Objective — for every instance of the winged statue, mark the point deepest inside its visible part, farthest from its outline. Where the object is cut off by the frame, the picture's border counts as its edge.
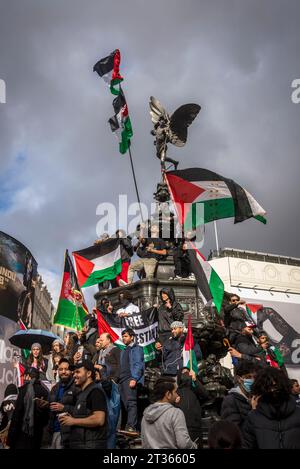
(170, 129)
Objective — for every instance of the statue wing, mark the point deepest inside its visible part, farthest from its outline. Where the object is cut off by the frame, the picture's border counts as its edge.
(179, 122)
(157, 110)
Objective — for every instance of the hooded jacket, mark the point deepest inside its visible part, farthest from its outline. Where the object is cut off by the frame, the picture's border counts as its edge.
(268, 427)
(191, 398)
(246, 346)
(164, 427)
(167, 316)
(235, 407)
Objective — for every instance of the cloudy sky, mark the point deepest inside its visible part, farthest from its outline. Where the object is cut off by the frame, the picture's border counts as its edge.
(58, 158)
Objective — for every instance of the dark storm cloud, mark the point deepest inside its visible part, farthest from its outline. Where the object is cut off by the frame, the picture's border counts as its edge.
(236, 59)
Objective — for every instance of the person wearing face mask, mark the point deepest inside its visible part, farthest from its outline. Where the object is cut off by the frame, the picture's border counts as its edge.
(274, 421)
(236, 405)
(192, 395)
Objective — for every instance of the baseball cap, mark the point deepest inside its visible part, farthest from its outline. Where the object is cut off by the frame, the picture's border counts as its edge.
(87, 364)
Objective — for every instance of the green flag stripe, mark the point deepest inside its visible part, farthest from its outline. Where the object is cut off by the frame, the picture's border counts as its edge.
(205, 212)
(217, 289)
(126, 134)
(194, 363)
(149, 352)
(66, 315)
(261, 219)
(100, 276)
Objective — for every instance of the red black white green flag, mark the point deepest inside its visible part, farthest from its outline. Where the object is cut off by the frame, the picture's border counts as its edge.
(71, 309)
(120, 123)
(188, 353)
(98, 263)
(210, 285)
(143, 323)
(108, 68)
(201, 196)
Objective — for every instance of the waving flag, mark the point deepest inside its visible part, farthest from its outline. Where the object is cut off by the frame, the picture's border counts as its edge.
(120, 123)
(98, 263)
(189, 356)
(143, 323)
(108, 68)
(71, 309)
(202, 196)
(209, 284)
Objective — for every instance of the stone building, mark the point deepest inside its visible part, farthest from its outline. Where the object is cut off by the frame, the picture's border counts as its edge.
(43, 307)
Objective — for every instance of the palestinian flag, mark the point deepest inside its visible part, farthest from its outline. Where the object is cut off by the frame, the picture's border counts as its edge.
(108, 69)
(251, 310)
(144, 324)
(202, 196)
(189, 356)
(209, 283)
(98, 263)
(71, 309)
(111, 327)
(120, 123)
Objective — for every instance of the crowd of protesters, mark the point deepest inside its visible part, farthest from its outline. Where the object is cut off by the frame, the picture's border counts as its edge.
(87, 392)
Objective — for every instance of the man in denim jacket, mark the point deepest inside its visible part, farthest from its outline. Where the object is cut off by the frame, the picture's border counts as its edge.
(132, 369)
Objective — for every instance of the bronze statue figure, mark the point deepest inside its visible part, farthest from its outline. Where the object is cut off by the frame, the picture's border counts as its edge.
(170, 129)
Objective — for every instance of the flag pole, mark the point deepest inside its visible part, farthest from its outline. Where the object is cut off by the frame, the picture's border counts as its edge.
(135, 183)
(216, 235)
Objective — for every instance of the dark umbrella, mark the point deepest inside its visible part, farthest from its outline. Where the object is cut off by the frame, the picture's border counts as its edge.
(25, 339)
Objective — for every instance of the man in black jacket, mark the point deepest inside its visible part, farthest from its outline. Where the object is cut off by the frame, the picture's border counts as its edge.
(109, 355)
(235, 316)
(236, 405)
(169, 311)
(62, 399)
(88, 421)
(172, 359)
(150, 250)
(246, 348)
(192, 395)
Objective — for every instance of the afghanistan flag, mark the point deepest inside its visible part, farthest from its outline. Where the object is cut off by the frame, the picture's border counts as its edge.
(202, 196)
(98, 263)
(144, 324)
(189, 356)
(209, 283)
(71, 309)
(120, 123)
(108, 69)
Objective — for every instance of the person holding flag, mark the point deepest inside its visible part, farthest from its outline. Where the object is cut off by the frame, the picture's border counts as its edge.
(71, 310)
(190, 389)
(175, 351)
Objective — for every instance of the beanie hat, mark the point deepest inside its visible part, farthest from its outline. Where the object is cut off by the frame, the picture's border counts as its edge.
(177, 324)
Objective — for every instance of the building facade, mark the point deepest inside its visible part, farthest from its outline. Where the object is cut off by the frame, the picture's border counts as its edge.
(42, 307)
